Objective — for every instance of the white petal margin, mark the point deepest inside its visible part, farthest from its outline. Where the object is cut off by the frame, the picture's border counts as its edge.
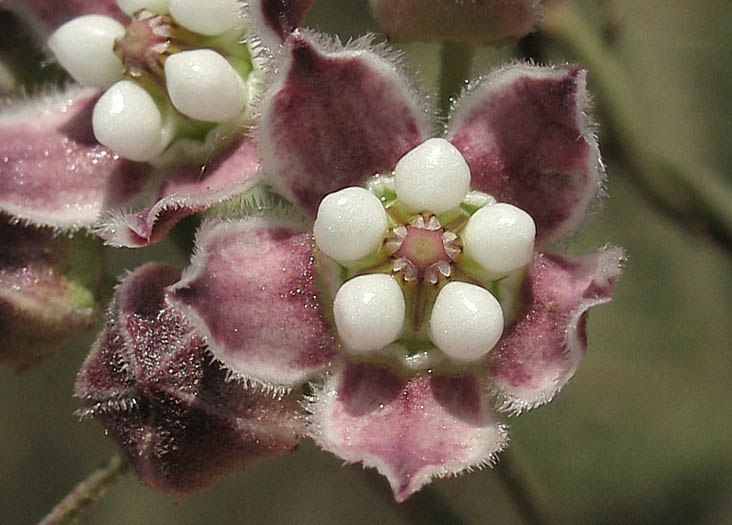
(544, 346)
(251, 292)
(130, 7)
(209, 17)
(127, 121)
(84, 46)
(369, 312)
(500, 106)
(410, 430)
(351, 224)
(432, 177)
(203, 85)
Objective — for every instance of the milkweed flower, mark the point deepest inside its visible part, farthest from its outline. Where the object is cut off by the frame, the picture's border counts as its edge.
(155, 127)
(405, 282)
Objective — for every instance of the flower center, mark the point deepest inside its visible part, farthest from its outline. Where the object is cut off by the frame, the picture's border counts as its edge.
(151, 38)
(167, 76)
(423, 287)
(423, 248)
(421, 244)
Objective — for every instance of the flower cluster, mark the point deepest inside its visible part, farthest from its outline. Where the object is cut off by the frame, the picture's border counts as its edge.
(372, 282)
(169, 136)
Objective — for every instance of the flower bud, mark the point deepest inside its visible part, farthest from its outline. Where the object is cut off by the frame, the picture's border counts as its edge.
(47, 291)
(177, 416)
(489, 22)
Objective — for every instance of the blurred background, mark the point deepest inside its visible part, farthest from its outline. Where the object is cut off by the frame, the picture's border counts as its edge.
(642, 434)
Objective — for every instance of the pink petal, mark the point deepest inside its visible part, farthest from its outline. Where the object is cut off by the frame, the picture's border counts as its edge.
(544, 346)
(527, 140)
(489, 22)
(44, 16)
(334, 116)
(153, 386)
(48, 288)
(274, 19)
(53, 172)
(411, 430)
(251, 291)
(184, 192)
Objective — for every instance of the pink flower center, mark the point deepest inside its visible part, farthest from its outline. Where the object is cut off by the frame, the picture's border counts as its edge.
(149, 39)
(423, 248)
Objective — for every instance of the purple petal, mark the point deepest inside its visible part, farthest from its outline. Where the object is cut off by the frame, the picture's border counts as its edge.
(53, 172)
(44, 16)
(527, 140)
(333, 117)
(411, 430)
(251, 291)
(186, 191)
(48, 286)
(274, 19)
(544, 346)
(153, 386)
(489, 22)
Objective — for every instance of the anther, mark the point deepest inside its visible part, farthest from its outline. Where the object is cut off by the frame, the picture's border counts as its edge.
(395, 239)
(452, 245)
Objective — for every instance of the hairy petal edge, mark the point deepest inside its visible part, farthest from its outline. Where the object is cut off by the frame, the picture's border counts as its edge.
(410, 430)
(251, 291)
(544, 346)
(525, 135)
(334, 116)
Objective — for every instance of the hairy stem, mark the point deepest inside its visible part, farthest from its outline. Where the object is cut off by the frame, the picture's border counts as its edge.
(456, 60)
(513, 473)
(692, 195)
(87, 493)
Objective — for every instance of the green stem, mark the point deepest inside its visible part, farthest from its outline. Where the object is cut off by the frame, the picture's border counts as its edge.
(87, 493)
(512, 470)
(691, 195)
(456, 60)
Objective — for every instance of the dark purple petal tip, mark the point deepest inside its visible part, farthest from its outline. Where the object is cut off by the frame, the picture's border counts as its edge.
(525, 135)
(251, 291)
(411, 430)
(544, 346)
(333, 117)
(154, 387)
